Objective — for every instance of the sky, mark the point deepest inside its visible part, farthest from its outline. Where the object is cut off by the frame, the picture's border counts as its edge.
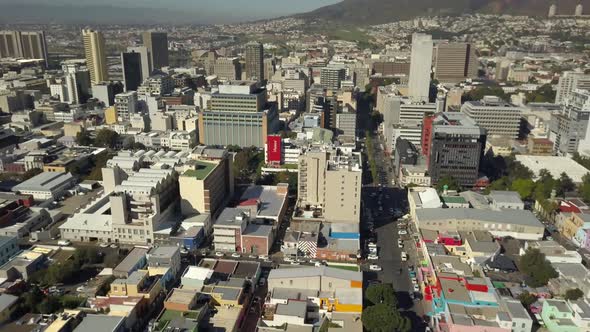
(227, 10)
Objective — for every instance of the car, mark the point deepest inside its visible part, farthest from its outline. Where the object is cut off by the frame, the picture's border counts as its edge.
(295, 263)
(372, 257)
(235, 255)
(414, 280)
(263, 257)
(262, 281)
(317, 264)
(404, 256)
(114, 246)
(64, 243)
(219, 254)
(33, 240)
(374, 282)
(402, 232)
(380, 207)
(375, 268)
(289, 259)
(183, 252)
(416, 288)
(549, 238)
(103, 245)
(80, 289)
(252, 256)
(400, 243)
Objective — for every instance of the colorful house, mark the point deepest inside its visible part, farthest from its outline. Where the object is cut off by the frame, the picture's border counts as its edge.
(558, 316)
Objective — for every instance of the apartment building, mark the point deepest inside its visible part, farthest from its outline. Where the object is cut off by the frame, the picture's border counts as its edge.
(496, 116)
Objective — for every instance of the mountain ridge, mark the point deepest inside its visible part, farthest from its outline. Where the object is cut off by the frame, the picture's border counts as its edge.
(384, 11)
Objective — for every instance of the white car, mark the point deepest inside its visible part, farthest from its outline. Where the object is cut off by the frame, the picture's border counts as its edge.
(289, 259)
(263, 257)
(400, 243)
(416, 288)
(402, 232)
(404, 256)
(64, 243)
(114, 246)
(252, 256)
(313, 261)
(104, 245)
(414, 280)
(295, 263)
(219, 254)
(375, 268)
(373, 257)
(235, 255)
(183, 252)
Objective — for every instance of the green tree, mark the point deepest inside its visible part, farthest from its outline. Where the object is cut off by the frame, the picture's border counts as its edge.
(71, 302)
(500, 184)
(544, 185)
(544, 94)
(527, 299)
(524, 187)
(565, 184)
(380, 318)
(479, 92)
(31, 173)
(106, 138)
(49, 305)
(381, 293)
(83, 138)
(537, 268)
(448, 181)
(585, 188)
(573, 294)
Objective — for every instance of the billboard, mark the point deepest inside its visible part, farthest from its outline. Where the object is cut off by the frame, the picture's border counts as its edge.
(273, 146)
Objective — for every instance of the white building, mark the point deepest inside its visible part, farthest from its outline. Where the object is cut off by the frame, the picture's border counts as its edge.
(570, 81)
(498, 117)
(420, 67)
(126, 105)
(47, 185)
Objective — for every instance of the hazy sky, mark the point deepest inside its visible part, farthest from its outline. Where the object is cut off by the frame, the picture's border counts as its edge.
(230, 9)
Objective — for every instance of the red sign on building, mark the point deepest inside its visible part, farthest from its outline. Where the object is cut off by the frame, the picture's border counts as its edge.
(273, 147)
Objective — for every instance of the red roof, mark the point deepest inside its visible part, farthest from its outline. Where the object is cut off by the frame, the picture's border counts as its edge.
(248, 202)
(568, 207)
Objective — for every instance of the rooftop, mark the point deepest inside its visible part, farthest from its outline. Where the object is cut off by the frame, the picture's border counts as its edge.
(258, 230)
(183, 296)
(304, 272)
(501, 196)
(507, 216)
(555, 165)
(271, 202)
(292, 308)
(44, 182)
(197, 273)
(201, 170)
(99, 323)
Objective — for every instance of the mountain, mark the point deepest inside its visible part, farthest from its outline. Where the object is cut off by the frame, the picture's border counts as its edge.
(383, 11)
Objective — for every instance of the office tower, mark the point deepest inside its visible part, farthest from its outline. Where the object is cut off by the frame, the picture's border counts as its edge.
(157, 46)
(502, 70)
(346, 124)
(146, 60)
(496, 116)
(454, 62)
(254, 61)
(126, 105)
(331, 78)
(105, 92)
(455, 149)
(238, 115)
(552, 10)
(569, 128)
(579, 10)
(25, 44)
(75, 84)
(132, 70)
(269, 68)
(331, 180)
(570, 81)
(95, 52)
(227, 68)
(157, 85)
(420, 67)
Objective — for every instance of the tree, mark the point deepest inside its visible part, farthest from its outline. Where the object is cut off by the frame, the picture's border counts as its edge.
(31, 173)
(380, 318)
(544, 94)
(524, 187)
(527, 299)
(500, 184)
(537, 268)
(573, 294)
(448, 181)
(479, 92)
(585, 188)
(49, 305)
(106, 138)
(381, 293)
(544, 185)
(83, 138)
(565, 184)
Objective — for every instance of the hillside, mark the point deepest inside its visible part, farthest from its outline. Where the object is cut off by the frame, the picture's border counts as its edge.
(383, 11)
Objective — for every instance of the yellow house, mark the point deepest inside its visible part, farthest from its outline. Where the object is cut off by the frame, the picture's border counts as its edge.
(110, 115)
(139, 283)
(573, 223)
(343, 300)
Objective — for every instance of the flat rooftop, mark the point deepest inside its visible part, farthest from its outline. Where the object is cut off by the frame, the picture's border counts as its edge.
(555, 165)
(201, 170)
(506, 216)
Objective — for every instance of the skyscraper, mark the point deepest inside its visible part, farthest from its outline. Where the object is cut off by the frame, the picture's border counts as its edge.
(25, 44)
(454, 62)
(420, 67)
(254, 61)
(132, 70)
(146, 60)
(331, 77)
(95, 52)
(157, 46)
(570, 81)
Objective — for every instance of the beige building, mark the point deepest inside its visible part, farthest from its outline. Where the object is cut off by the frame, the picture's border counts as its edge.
(454, 62)
(95, 52)
(331, 182)
(203, 187)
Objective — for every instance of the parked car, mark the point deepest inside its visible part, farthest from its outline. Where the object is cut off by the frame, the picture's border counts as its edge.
(64, 243)
(375, 268)
(235, 255)
(404, 256)
(372, 257)
(218, 254)
(402, 232)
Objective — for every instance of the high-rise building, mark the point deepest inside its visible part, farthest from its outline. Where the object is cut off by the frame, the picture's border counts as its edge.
(569, 128)
(157, 47)
(455, 149)
(227, 68)
(126, 105)
(331, 77)
(496, 116)
(146, 60)
(238, 115)
(95, 52)
(579, 10)
(454, 62)
(420, 67)
(331, 180)
(269, 68)
(23, 44)
(254, 61)
(570, 81)
(132, 71)
(552, 10)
